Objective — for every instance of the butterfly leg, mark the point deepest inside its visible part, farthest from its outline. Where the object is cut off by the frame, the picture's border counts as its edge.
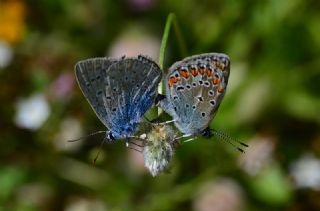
(137, 144)
(166, 122)
(190, 139)
(183, 136)
(135, 149)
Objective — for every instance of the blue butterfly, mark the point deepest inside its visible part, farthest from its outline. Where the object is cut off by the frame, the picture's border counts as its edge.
(195, 88)
(120, 91)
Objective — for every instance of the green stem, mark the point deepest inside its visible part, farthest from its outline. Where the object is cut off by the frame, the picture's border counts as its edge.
(171, 20)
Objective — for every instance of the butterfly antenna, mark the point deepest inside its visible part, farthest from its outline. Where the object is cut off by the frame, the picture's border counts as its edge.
(135, 149)
(98, 153)
(133, 143)
(230, 140)
(84, 137)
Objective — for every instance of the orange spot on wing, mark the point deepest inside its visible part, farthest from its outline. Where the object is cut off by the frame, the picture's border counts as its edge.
(221, 67)
(173, 80)
(215, 80)
(209, 73)
(201, 71)
(194, 72)
(184, 73)
(220, 88)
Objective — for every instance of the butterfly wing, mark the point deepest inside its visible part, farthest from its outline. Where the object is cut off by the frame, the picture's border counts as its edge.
(195, 88)
(92, 78)
(127, 91)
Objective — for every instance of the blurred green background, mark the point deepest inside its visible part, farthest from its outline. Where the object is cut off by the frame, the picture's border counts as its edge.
(272, 103)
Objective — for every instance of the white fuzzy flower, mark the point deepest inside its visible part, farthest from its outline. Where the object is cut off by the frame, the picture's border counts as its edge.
(159, 148)
(306, 172)
(32, 112)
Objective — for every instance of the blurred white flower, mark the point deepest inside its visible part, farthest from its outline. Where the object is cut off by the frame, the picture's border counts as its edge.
(70, 129)
(6, 54)
(62, 86)
(306, 172)
(85, 204)
(220, 195)
(253, 99)
(32, 112)
(134, 42)
(258, 155)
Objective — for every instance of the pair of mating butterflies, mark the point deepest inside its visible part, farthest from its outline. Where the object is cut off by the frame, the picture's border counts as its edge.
(121, 91)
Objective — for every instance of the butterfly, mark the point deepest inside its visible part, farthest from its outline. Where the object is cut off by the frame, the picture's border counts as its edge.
(195, 88)
(120, 91)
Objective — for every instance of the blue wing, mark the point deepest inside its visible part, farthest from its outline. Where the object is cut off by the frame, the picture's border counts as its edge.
(127, 89)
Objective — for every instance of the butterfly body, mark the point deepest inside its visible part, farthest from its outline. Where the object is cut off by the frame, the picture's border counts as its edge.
(119, 91)
(195, 87)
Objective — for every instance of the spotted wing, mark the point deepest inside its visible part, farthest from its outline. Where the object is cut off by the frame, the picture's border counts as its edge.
(127, 91)
(195, 88)
(92, 78)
